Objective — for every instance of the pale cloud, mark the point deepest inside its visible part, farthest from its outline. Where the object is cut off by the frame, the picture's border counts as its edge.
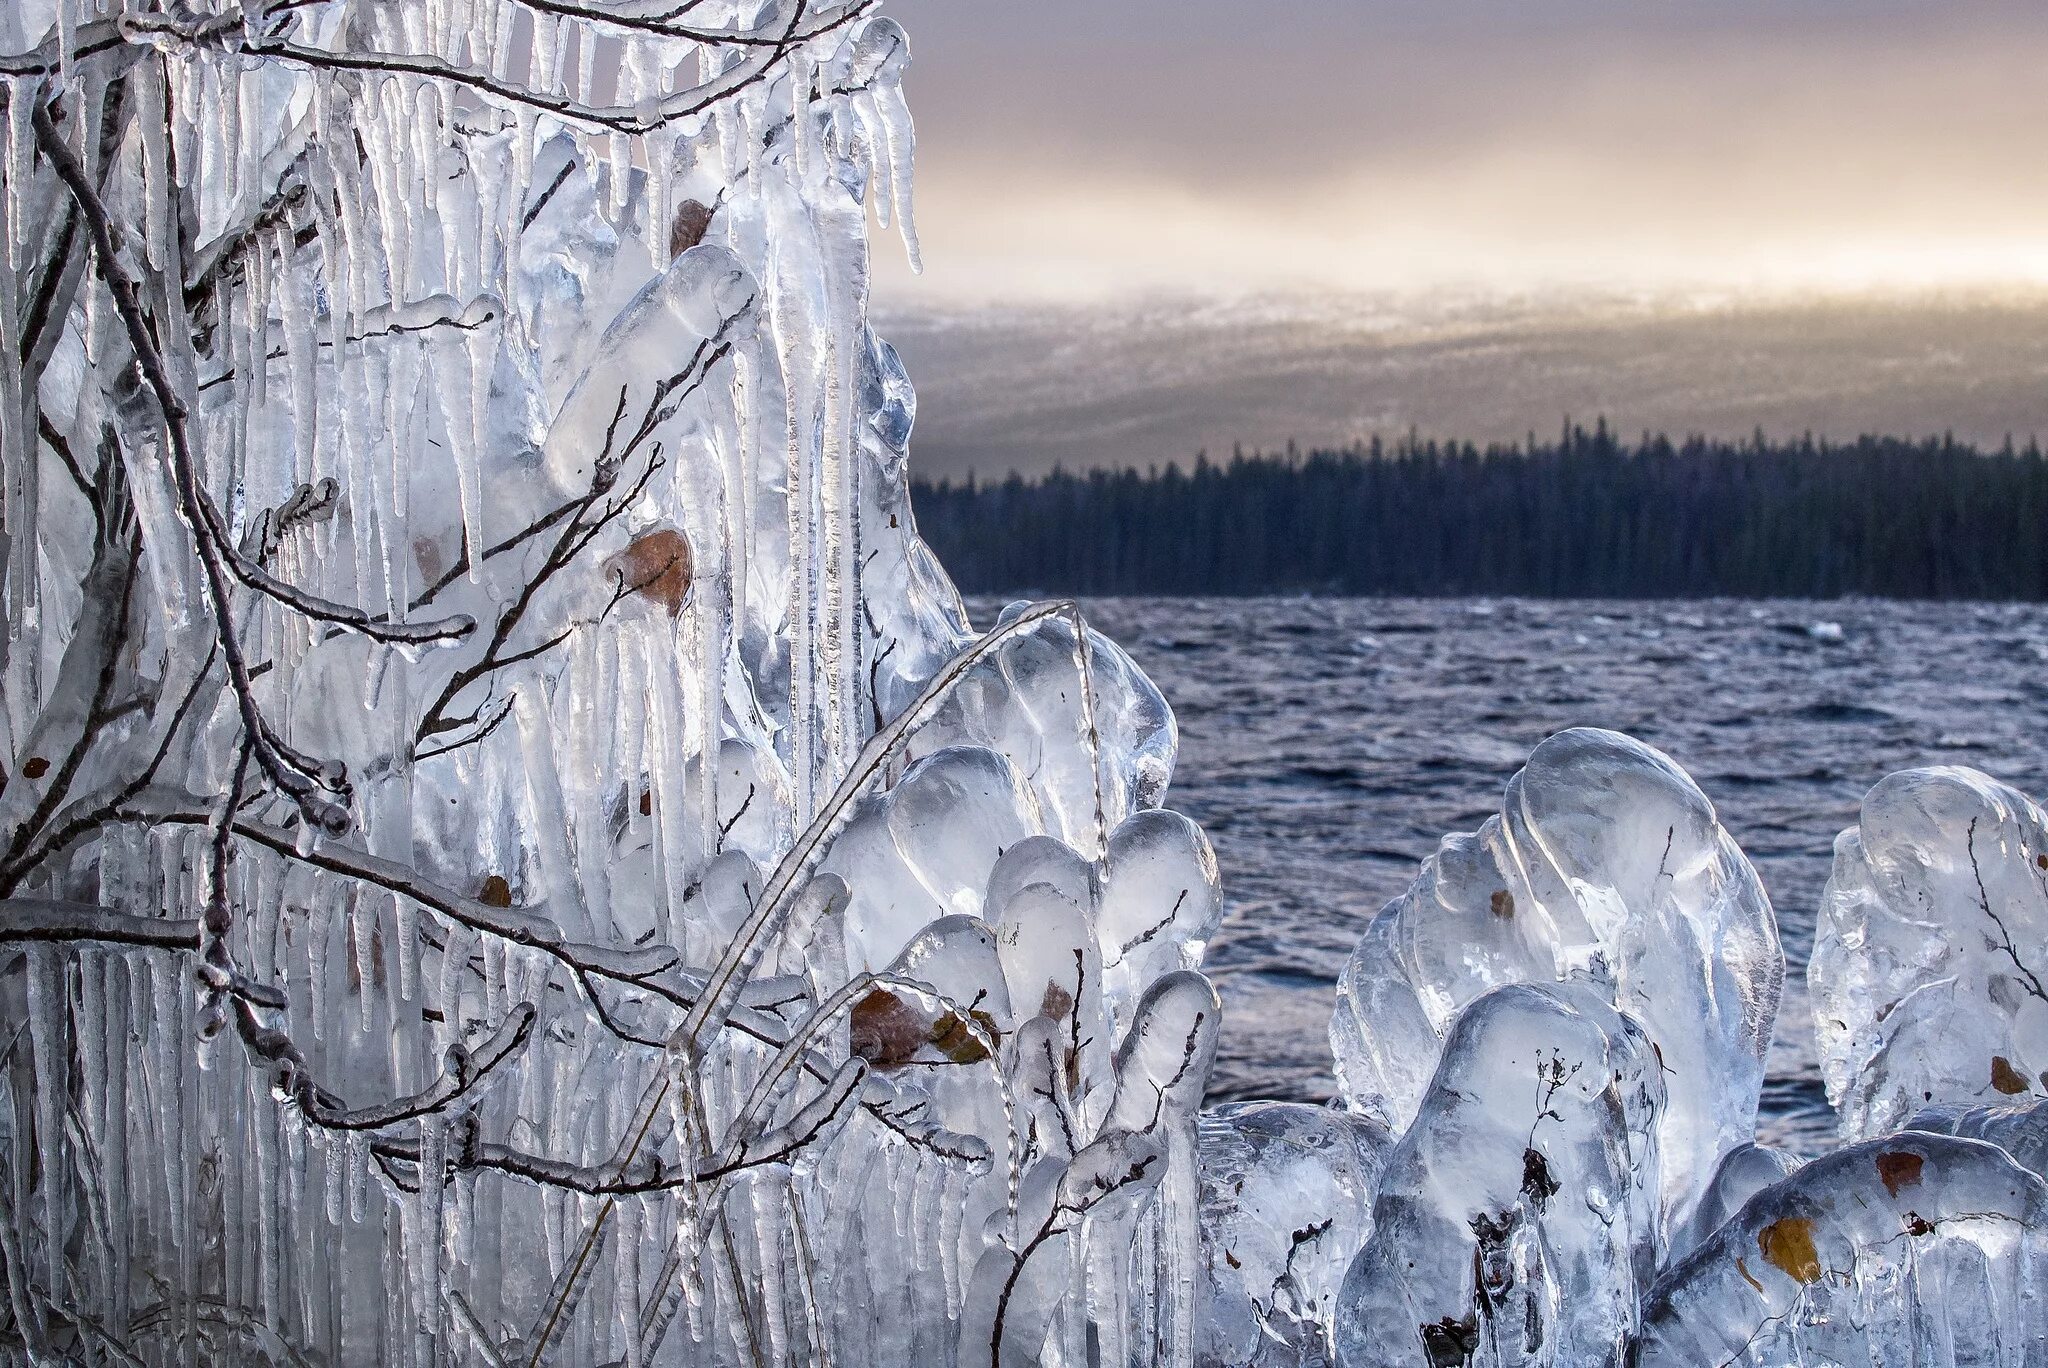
(1078, 151)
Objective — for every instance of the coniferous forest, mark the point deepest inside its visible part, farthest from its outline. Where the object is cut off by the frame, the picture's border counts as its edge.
(1585, 514)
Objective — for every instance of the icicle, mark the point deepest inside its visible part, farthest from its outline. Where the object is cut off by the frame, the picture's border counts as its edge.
(586, 65)
(898, 143)
(406, 913)
(333, 1186)
(49, 1019)
(480, 345)
(302, 357)
(355, 1165)
(451, 376)
(429, 1295)
(506, 17)
(21, 153)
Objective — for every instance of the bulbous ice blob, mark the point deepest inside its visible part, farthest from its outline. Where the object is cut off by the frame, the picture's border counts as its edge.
(1517, 1219)
(953, 814)
(1039, 860)
(1092, 757)
(926, 847)
(1607, 866)
(1286, 1200)
(1162, 1062)
(1929, 975)
(1160, 904)
(1742, 1173)
(2021, 1131)
(1910, 1249)
(1051, 969)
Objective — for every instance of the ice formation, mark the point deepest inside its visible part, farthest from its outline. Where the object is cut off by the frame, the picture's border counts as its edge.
(2020, 1130)
(1606, 866)
(1911, 1249)
(511, 851)
(1931, 950)
(1287, 1198)
(1518, 1218)
(1543, 1225)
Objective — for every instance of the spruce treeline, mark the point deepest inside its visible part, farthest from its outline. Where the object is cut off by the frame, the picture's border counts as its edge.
(1584, 515)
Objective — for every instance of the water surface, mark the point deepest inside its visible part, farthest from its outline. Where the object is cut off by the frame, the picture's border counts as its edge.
(1327, 744)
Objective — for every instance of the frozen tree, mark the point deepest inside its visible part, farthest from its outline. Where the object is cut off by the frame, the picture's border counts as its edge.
(511, 850)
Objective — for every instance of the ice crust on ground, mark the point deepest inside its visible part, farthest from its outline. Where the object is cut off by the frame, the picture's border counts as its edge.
(1931, 950)
(1606, 866)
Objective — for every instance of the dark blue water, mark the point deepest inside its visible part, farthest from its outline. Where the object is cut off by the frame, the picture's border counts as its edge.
(1326, 745)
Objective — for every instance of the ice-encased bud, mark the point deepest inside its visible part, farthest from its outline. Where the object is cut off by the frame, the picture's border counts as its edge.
(1517, 1220)
(2021, 1131)
(1910, 1249)
(1287, 1194)
(1742, 1173)
(1929, 975)
(1606, 866)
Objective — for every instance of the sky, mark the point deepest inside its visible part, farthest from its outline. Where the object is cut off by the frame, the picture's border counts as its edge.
(1152, 227)
(1083, 149)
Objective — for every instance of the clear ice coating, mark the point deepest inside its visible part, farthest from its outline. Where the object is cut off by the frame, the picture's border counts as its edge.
(1931, 950)
(511, 849)
(1911, 1249)
(1287, 1197)
(1518, 1220)
(512, 852)
(1607, 867)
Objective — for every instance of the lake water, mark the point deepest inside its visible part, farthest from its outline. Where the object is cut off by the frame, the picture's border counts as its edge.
(1327, 744)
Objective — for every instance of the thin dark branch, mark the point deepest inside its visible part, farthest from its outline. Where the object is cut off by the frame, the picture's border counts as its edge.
(466, 1070)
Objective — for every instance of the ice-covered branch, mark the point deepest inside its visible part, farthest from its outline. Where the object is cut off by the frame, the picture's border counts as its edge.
(585, 518)
(313, 787)
(36, 919)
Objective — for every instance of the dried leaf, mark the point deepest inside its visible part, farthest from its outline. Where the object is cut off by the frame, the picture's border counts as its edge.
(657, 565)
(1787, 1244)
(889, 1033)
(1899, 1169)
(2006, 1078)
(692, 221)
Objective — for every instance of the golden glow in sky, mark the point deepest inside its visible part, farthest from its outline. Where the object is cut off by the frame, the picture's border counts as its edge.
(1076, 151)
